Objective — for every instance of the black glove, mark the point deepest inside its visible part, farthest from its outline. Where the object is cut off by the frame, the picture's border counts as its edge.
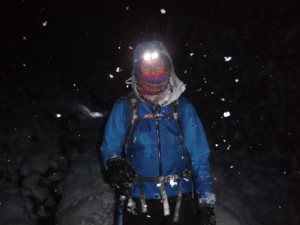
(207, 215)
(120, 173)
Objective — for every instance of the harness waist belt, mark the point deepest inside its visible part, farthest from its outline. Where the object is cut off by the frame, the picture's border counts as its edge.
(162, 180)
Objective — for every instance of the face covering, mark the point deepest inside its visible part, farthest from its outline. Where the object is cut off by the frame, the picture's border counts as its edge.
(152, 85)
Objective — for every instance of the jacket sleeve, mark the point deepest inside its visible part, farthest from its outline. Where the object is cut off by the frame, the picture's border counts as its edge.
(197, 146)
(115, 130)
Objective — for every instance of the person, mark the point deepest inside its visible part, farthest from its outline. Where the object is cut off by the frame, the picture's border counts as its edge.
(155, 149)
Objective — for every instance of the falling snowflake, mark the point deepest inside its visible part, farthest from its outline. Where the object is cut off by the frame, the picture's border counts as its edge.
(163, 11)
(130, 47)
(58, 115)
(118, 69)
(127, 8)
(227, 59)
(192, 53)
(236, 80)
(111, 75)
(226, 114)
(45, 23)
(222, 99)
(24, 38)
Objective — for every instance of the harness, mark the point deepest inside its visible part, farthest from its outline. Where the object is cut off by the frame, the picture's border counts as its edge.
(161, 180)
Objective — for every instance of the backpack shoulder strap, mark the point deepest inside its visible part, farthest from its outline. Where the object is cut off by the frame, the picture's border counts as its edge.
(133, 108)
(178, 119)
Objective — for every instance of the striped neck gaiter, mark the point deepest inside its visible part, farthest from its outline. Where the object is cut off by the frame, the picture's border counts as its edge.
(152, 85)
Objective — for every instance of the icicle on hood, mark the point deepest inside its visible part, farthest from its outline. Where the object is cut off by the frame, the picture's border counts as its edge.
(177, 86)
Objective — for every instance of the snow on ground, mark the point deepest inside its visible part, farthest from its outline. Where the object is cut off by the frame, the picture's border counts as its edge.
(86, 199)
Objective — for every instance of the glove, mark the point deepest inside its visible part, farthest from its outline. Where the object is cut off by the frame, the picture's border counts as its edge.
(207, 215)
(120, 173)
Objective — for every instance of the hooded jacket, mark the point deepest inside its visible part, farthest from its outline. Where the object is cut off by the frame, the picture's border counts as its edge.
(155, 149)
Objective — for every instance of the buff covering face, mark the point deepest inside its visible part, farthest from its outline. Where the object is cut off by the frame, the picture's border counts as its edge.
(153, 78)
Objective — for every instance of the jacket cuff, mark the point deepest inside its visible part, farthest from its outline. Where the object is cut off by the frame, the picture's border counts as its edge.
(208, 200)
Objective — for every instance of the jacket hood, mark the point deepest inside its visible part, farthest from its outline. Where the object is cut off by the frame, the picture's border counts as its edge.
(177, 86)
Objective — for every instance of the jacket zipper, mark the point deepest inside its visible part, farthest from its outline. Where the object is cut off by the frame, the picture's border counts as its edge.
(159, 147)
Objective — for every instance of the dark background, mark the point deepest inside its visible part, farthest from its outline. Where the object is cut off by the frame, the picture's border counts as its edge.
(52, 69)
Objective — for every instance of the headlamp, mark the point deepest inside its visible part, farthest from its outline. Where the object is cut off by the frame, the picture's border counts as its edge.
(150, 56)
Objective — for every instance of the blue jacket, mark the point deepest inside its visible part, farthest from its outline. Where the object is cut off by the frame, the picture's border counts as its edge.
(143, 149)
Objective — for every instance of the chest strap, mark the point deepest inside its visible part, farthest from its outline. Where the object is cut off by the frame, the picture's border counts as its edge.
(161, 181)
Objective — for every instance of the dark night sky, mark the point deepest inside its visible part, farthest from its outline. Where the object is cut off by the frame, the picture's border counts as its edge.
(56, 52)
(83, 43)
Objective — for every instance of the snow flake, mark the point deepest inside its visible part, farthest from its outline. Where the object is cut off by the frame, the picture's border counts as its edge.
(236, 80)
(130, 47)
(163, 11)
(222, 99)
(231, 167)
(204, 56)
(127, 8)
(58, 115)
(45, 23)
(228, 147)
(191, 54)
(227, 59)
(226, 114)
(24, 38)
(119, 47)
(118, 69)
(111, 76)
(24, 64)
(216, 145)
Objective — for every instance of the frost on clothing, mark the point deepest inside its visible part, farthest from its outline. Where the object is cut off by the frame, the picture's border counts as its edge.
(176, 86)
(143, 147)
